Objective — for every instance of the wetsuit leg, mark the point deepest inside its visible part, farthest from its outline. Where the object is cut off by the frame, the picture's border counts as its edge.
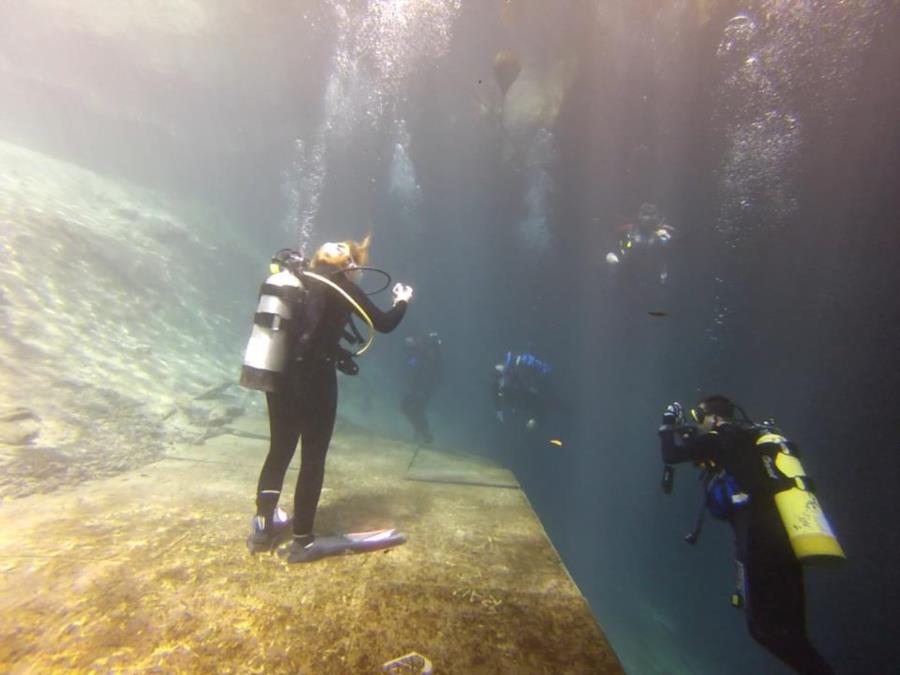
(414, 409)
(409, 410)
(776, 615)
(284, 431)
(318, 413)
(426, 429)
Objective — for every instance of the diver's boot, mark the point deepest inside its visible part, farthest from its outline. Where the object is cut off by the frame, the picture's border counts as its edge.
(266, 533)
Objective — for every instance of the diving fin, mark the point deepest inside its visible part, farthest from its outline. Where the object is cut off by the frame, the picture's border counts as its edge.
(353, 542)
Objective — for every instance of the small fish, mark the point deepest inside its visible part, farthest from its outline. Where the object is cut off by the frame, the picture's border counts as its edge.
(658, 313)
(555, 441)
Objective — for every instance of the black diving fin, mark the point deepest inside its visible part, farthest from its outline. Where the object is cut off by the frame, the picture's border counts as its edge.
(353, 542)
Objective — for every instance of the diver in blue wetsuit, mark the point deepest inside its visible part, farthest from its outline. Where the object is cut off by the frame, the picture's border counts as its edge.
(752, 480)
(521, 390)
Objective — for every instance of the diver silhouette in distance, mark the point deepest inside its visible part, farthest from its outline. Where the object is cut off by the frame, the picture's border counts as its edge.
(423, 374)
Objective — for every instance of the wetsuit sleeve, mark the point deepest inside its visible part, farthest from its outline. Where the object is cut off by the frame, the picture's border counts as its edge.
(676, 448)
(384, 322)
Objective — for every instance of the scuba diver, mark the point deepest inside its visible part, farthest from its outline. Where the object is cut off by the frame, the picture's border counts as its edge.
(753, 480)
(521, 389)
(305, 310)
(647, 238)
(423, 363)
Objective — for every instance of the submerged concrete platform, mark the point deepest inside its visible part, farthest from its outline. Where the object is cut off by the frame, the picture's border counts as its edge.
(148, 571)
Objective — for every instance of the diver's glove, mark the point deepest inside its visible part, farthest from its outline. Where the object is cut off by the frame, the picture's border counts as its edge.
(673, 415)
(663, 235)
(402, 293)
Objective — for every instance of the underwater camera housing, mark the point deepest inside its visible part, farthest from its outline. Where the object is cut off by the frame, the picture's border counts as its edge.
(667, 482)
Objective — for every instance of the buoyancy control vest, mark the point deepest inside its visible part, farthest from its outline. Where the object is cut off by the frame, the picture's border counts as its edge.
(723, 494)
(528, 361)
(290, 308)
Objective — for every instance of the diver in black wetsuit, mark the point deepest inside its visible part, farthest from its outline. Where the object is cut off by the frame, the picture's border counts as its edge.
(773, 592)
(304, 406)
(643, 245)
(423, 364)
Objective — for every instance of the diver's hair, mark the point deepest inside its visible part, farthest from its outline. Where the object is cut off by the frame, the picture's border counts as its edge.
(359, 254)
(720, 406)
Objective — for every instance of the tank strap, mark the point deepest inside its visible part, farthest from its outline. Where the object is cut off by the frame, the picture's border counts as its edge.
(266, 320)
(286, 293)
(771, 446)
(804, 483)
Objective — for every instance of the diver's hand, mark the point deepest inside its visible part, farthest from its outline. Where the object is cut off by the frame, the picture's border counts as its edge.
(673, 415)
(402, 293)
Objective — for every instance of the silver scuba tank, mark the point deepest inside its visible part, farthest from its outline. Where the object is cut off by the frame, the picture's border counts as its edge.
(268, 349)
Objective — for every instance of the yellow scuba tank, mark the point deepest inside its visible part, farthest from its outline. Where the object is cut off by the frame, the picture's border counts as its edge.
(806, 525)
(268, 348)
